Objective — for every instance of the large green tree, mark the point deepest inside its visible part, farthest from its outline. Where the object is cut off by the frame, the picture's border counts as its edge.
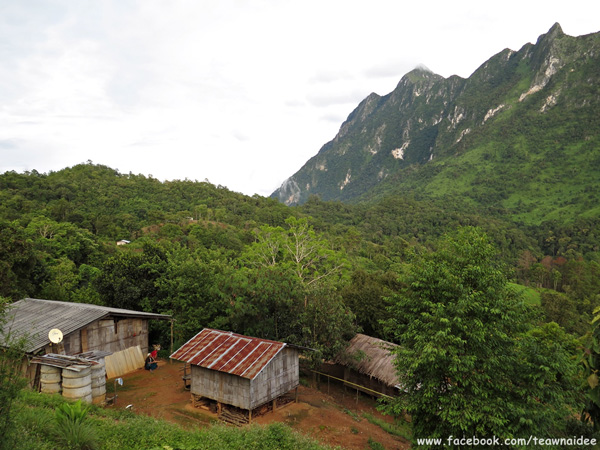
(465, 360)
(303, 271)
(11, 379)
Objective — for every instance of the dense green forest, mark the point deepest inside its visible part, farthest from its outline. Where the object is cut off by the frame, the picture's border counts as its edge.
(311, 275)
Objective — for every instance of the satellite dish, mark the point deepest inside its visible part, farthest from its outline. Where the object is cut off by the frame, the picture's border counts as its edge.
(55, 336)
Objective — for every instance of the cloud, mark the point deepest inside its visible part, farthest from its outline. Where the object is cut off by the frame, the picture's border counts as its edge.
(330, 76)
(389, 69)
(333, 118)
(324, 98)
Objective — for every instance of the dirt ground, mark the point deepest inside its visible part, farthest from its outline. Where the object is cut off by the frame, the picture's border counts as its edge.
(328, 414)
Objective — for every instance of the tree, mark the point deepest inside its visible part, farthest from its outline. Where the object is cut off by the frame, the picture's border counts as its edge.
(128, 279)
(307, 269)
(189, 291)
(365, 296)
(590, 361)
(11, 380)
(460, 366)
(21, 270)
(265, 302)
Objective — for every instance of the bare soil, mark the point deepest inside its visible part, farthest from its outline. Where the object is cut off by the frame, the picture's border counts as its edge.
(329, 414)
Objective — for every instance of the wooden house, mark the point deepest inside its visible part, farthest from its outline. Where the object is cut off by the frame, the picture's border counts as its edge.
(367, 365)
(84, 328)
(237, 370)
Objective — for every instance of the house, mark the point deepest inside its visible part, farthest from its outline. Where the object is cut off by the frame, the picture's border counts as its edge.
(240, 371)
(367, 365)
(83, 327)
(123, 242)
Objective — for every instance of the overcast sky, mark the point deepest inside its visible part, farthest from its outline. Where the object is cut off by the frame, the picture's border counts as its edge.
(241, 93)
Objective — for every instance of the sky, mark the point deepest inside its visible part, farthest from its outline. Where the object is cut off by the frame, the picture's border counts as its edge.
(237, 92)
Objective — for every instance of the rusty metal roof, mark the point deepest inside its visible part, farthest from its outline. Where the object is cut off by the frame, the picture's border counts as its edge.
(229, 352)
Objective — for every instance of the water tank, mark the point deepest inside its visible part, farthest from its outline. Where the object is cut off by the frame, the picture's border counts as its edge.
(99, 382)
(50, 379)
(77, 383)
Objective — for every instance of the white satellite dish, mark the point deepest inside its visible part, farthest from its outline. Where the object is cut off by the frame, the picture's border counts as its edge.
(55, 336)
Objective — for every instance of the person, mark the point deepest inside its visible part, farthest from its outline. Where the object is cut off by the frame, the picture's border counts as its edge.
(150, 364)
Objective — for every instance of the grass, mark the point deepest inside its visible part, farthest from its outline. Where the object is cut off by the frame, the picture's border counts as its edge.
(352, 414)
(374, 445)
(530, 295)
(399, 428)
(124, 430)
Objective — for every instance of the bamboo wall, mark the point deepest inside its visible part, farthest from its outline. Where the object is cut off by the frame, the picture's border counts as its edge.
(281, 375)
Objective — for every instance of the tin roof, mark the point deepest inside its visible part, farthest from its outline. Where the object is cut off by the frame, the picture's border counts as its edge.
(33, 318)
(74, 363)
(229, 352)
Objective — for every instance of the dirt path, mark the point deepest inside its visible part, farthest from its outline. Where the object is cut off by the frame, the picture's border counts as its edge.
(335, 418)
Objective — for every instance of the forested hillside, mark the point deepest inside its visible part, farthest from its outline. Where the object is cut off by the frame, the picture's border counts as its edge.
(213, 257)
(311, 275)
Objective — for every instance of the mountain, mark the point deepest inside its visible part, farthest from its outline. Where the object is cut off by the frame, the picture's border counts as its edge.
(522, 134)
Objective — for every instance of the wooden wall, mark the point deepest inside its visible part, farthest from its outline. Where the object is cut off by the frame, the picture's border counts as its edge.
(108, 335)
(281, 375)
(220, 386)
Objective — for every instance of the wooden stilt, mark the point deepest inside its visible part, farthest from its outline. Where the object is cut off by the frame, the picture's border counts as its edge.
(249, 416)
(219, 407)
(170, 360)
(296, 395)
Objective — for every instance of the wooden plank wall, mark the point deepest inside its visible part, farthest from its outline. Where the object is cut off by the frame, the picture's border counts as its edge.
(280, 376)
(108, 335)
(220, 386)
(116, 335)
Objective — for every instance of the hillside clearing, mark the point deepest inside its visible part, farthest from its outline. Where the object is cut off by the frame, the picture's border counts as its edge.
(336, 419)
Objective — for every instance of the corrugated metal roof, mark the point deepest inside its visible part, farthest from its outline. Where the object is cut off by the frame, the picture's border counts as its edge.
(34, 318)
(74, 363)
(229, 352)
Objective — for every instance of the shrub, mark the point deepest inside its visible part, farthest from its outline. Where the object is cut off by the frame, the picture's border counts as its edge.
(72, 429)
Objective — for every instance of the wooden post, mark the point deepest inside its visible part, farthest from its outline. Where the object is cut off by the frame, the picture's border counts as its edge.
(357, 396)
(250, 416)
(219, 407)
(296, 395)
(170, 360)
(115, 392)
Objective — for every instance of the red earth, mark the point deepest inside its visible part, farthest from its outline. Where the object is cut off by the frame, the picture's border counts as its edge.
(329, 415)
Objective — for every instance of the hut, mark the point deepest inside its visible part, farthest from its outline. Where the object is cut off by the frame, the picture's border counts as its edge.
(84, 328)
(367, 365)
(239, 371)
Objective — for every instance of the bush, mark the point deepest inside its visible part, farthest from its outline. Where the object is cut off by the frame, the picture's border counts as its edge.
(72, 428)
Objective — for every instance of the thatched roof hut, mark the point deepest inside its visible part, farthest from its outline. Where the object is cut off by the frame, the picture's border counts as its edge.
(367, 364)
(372, 357)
